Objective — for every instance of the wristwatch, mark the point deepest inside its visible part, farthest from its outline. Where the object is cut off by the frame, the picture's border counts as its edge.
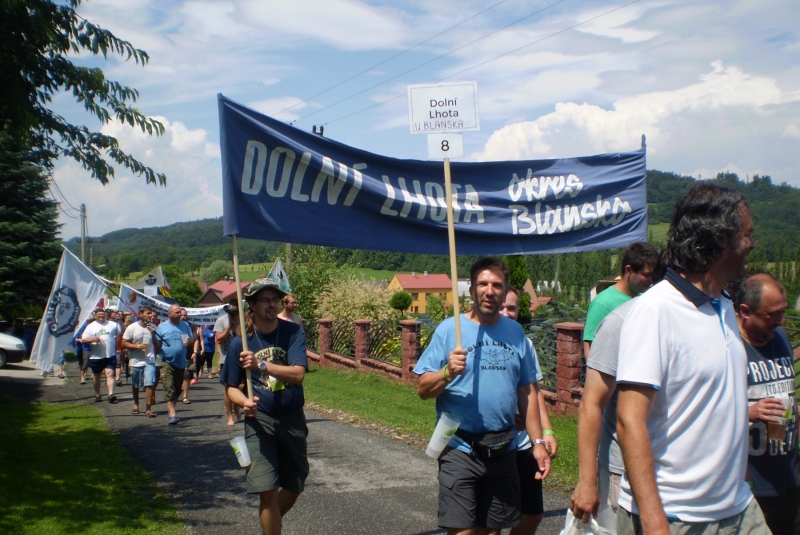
(262, 365)
(538, 441)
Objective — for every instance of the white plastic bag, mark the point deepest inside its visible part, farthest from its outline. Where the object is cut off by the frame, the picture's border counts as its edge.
(574, 526)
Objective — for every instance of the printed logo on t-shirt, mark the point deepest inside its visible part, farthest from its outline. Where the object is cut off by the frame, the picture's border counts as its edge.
(492, 354)
(274, 355)
(772, 378)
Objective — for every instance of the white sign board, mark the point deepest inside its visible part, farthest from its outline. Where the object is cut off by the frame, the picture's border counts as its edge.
(439, 108)
(442, 146)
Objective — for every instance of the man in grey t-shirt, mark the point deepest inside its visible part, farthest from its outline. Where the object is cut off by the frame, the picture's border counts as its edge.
(225, 328)
(597, 426)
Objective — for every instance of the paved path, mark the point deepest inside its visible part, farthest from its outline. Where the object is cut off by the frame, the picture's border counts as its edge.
(360, 482)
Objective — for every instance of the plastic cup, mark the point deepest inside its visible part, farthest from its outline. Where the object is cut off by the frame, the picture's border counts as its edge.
(445, 429)
(777, 430)
(185, 339)
(240, 449)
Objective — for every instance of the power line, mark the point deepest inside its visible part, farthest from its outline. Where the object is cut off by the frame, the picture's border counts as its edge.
(58, 204)
(387, 60)
(173, 191)
(434, 59)
(403, 95)
(53, 180)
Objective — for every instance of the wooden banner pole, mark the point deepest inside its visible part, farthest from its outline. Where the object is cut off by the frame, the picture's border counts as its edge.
(451, 238)
(240, 297)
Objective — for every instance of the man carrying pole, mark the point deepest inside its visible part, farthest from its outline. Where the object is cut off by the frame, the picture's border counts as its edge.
(483, 386)
(275, 425)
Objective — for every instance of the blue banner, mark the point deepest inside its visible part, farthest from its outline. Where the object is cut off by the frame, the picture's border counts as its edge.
(286, 185)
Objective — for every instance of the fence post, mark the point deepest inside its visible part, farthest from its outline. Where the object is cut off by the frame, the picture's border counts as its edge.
(362, 340)
(410, 337)
(569, 350)
(325, 328)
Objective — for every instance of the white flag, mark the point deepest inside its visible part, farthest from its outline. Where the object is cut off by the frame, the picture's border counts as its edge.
(279, 275)
(131, 299)
(75, 293)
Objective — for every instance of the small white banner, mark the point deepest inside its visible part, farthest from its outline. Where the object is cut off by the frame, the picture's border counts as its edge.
(439, 108)
(441, 146)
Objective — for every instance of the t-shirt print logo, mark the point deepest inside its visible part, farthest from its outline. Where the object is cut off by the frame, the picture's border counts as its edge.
(494, 359)
(273, 355)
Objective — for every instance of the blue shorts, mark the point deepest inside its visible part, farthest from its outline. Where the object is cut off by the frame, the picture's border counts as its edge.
(143, 376)
(98, 365)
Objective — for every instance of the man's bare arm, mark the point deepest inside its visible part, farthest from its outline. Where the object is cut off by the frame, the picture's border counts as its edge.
(597, 391)
(528, 404)
(633, 408)
(431, 384)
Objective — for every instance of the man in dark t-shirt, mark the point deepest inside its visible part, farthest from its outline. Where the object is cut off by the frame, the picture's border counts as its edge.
(772, 461)
(275, 425)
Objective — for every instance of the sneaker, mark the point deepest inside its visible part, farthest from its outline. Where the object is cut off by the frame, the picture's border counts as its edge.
(119, 382)
(112, 398)
(194, 381)
(172, 420)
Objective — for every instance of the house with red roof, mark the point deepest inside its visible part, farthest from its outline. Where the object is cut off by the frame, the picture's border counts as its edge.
(422, 287)
(220, 293)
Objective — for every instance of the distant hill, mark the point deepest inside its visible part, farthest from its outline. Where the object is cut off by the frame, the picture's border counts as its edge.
(775, 210)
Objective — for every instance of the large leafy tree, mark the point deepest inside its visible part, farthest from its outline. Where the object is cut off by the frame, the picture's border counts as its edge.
(29, 250)
(36, 39)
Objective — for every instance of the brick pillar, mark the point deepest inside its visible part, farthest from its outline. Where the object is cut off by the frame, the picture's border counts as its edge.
(410, 330)
(569, 350)
(325, 336)
(362, 340)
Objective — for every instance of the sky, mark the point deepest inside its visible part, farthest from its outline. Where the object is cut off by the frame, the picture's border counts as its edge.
(714, 86)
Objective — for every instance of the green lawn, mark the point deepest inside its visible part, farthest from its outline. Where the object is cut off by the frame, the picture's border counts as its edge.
(381, 400)
(63, 471)
(659, 232)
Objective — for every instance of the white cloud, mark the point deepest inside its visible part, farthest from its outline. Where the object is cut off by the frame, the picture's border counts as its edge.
(347, 24)
(193, 190)
(576, 129)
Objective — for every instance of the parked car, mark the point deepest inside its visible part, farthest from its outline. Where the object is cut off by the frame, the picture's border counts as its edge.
(12, 349)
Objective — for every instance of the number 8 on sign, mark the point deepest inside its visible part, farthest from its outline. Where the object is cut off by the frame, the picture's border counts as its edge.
(442, 146)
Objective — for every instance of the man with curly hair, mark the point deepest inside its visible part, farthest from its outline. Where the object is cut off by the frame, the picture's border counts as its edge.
(682, 379)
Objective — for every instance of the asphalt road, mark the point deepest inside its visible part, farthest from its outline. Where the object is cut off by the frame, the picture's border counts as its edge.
(360, 482)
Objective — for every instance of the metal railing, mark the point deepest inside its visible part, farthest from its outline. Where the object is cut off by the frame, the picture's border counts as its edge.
(385, 343)
(343, 338)
(312, 335)
(543, 335)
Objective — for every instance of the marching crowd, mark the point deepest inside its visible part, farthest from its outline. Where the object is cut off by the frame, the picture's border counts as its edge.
(688, 420)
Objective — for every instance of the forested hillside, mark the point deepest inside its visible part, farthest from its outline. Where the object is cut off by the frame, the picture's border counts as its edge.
(775, 209)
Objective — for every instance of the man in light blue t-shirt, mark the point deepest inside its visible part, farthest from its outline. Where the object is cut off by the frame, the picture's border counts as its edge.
(174, 336)
(482, 383)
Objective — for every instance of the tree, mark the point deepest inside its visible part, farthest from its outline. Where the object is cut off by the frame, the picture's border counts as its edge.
(352, 298)
(29, 250)
(182, 288)
(216, 271)
(437, 310)
(311, 273)
(400, 301)
(35, 38)
(517, 277)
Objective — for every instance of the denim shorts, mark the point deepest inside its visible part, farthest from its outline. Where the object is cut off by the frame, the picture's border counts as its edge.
(143, 376)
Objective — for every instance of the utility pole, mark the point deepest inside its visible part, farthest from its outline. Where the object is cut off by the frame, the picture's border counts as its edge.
(83, 233)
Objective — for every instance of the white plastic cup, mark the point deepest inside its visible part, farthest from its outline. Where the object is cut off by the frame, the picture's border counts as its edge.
(445, 429)
(240, 449)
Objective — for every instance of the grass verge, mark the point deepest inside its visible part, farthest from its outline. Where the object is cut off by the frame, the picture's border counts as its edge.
(63, 471)
(383, 401)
